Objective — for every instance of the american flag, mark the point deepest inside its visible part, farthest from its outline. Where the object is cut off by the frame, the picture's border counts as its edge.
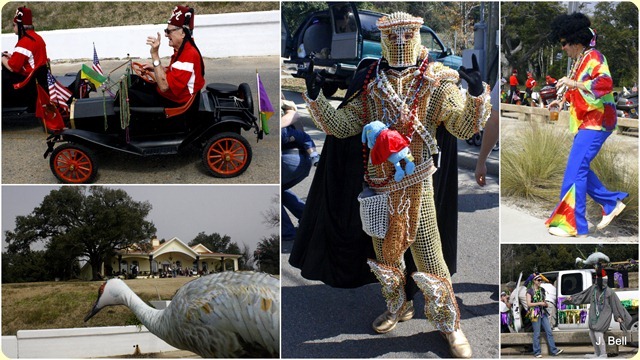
(58, 94)
(96, 62)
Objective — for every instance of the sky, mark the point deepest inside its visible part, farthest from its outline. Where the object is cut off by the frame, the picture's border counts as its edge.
(177, 210)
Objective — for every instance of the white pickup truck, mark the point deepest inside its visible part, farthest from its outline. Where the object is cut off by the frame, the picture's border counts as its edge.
(570, 317)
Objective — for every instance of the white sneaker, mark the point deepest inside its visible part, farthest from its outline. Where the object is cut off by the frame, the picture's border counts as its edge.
(606, 219)
(554, 230)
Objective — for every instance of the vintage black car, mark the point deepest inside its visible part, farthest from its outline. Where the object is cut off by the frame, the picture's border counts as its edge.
(211, 121)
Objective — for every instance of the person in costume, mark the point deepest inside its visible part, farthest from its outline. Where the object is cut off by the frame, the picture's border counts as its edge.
(413, 96)
(604, 303)
(539, 315)
(177, 83)
(21, 66)
(592, 118)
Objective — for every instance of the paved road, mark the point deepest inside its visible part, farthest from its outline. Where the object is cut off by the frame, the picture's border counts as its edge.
(23, 143)
(323, 322)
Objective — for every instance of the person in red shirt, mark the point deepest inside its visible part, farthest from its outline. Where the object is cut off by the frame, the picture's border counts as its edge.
(550, 80)
(184, 77)
(29, 54)
(513, 82)
(529, 84)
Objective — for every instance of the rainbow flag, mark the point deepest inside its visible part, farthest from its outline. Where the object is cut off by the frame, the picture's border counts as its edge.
(264, 106)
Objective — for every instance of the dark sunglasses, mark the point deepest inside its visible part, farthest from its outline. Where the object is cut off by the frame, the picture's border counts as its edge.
(168, 31)
(563, 42)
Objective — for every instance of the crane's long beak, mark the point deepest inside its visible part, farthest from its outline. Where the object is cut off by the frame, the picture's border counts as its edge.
(94, 310)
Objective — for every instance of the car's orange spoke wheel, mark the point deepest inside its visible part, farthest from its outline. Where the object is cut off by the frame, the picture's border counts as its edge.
(227, 155)
(74, 164)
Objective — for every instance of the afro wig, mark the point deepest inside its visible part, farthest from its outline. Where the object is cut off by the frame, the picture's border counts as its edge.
(573, 28)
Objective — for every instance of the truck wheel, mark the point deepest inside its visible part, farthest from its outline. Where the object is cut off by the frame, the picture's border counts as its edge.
(226, 155)
(73, 164)
(328, 89)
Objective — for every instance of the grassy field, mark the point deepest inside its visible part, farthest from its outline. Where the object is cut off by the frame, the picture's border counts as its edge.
(54, 305)
(72, 15)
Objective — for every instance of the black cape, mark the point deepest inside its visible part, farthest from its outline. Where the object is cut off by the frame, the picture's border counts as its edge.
(330, 245)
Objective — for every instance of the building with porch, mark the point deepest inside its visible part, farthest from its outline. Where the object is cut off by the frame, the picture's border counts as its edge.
(164, 258)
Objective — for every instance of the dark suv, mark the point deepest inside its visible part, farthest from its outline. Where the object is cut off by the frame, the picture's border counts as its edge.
(340, 37)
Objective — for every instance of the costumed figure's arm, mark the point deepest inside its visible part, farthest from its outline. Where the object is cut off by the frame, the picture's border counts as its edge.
(462, 115)
(583, 297)
(341, 123)
(619, 311)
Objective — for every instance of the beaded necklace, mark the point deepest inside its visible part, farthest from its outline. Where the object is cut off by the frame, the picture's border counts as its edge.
(573, 73)
(598, 301)
(399, 105)
(394, 105)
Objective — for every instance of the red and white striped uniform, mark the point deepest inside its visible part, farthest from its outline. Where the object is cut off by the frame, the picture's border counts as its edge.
(29, 54)
(184, 75)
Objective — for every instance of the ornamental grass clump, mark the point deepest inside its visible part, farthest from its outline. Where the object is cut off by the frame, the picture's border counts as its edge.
(617, 168)
(532, 163)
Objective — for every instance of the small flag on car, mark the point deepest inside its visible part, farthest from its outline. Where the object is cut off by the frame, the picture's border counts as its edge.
(58, 94)
(264, 106)
(96, 62)
(92, 75)
(47, 111)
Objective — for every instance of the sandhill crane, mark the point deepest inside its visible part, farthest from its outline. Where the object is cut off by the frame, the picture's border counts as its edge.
(229, 314)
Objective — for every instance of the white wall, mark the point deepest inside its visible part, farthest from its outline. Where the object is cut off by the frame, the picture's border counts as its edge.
(10, 347)
(82, 342)
(217, 36)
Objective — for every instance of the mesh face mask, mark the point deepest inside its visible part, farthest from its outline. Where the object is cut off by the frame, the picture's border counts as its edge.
(400, 38)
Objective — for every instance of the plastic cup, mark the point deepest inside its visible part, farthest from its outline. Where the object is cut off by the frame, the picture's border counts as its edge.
(553, 113)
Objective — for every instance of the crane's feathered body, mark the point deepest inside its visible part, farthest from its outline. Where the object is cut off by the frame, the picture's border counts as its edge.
(229, 314)
(595, 258)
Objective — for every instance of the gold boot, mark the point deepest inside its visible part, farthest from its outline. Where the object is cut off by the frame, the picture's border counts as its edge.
(458, 344)
(388, 321)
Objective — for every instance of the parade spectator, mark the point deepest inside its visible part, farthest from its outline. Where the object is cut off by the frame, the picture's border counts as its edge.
(540, 317)
(513, 83)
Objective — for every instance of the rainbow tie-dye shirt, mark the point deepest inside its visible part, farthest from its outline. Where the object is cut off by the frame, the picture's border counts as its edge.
(594, 108)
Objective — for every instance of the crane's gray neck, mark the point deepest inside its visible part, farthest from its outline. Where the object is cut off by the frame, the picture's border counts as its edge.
(147, 315)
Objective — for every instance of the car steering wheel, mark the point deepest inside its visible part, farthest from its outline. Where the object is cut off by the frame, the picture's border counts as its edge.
(143, 73)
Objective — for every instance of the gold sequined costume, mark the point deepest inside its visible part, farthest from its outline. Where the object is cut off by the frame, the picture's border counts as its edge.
(413, 101)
